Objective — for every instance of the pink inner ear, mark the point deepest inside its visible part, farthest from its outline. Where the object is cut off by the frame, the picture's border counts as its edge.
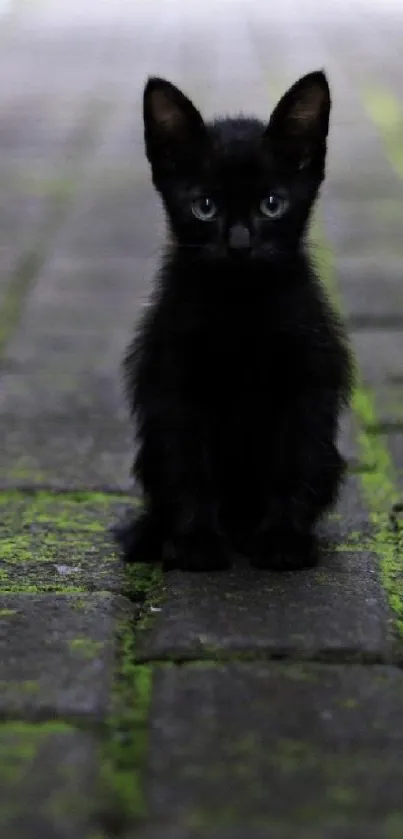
(164, 111)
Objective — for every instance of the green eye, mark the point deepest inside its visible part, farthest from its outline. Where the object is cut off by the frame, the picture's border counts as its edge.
(274, 205)
(204, 209)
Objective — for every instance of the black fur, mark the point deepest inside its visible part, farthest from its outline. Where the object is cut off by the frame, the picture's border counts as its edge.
(240, 367)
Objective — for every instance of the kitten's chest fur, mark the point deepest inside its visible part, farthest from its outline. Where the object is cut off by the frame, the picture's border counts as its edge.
(243, 335)
(237, 360)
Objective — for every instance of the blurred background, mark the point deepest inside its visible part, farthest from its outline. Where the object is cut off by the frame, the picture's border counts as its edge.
(80, 226)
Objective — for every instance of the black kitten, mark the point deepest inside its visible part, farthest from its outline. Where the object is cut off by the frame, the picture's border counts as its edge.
(240, 368)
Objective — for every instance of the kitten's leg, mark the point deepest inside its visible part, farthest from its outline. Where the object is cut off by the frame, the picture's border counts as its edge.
(186, 497)
(308, 487)
(181, 529)
(140, 538)
(286, 540)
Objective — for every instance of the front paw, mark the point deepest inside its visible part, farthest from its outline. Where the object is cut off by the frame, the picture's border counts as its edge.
(140, 539)
(284, 551)
(196, 551)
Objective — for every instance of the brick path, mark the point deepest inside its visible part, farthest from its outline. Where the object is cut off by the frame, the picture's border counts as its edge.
(232, 706)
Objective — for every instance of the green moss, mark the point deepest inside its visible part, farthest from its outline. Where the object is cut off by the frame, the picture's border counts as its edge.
(385, 111)
(150, 594)
(381, 493)
(25, 751)
(7, 586)
(7, 613)
(342, 795)
(390, 403)
(15, 293)
(379, 486)
(143, 582)
(86, 647)
(45, 527)
(334, 795)
(124, 753)
(290, 754)
(349, 547)
(349, 703)
(59, 543)
(393, 826)
(28, 686)
(79, 603)
(67, 501)
(19, 744)
(125, 750)
(300, 672)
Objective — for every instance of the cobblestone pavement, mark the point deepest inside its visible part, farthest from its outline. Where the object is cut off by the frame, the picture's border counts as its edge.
(240, 705)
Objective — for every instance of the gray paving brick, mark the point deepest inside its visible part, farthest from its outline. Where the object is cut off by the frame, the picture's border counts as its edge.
(376, 289)
(338, 606)
(58, 653)
(60, 543)
(275, 748)
(380, 354)
(48, 781)
(364, 830)
(91, 450)
(44, 123)
(63, 416)
(115, 219)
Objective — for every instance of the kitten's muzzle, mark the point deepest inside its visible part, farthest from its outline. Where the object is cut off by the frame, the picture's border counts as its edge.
(239, 239)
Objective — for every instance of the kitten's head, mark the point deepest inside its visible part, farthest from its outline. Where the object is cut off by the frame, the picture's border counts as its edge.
(237, 186)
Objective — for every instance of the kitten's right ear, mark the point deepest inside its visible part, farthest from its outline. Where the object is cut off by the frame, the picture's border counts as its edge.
(173, 127)
(299, 124)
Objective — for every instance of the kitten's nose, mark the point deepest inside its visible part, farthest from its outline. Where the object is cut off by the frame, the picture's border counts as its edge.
(239, 238)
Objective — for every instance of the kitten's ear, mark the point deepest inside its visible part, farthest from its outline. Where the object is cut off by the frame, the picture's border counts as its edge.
(173, 127)
(299, 124)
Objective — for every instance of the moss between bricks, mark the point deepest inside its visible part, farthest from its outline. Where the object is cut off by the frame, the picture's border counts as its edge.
(45, 523)
(380, 491)
(379, 486)
(385, 111)
(125, 750)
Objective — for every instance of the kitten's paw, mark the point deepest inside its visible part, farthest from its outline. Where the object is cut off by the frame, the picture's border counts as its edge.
(140, 539)
(285, 552)
(197, 551)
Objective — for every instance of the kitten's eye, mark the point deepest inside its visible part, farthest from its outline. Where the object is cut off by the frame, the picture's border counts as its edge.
(204, 209)
(274, 205)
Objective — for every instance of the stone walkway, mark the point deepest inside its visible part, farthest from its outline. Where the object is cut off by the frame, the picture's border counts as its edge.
(239, 705)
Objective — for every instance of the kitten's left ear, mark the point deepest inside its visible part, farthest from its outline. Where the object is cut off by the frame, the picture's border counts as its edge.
(299, 124)
(173, 127)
